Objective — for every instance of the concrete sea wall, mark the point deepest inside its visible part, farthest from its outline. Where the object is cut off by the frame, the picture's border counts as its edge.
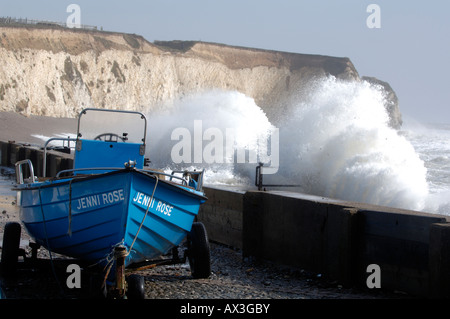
(335, 238)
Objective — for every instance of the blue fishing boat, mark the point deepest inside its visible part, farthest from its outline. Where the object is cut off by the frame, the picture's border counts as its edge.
(111, 209)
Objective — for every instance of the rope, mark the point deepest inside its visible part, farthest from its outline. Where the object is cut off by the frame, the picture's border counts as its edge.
(69, 231)
(146, 212)
(120, 253)
(47, 242)
(113, 254)
(116, 253)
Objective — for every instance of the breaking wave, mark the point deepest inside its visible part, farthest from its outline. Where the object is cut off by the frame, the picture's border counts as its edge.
(335, 143)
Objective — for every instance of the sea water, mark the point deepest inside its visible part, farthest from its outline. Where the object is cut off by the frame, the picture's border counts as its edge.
(335, 142)
(432, 144)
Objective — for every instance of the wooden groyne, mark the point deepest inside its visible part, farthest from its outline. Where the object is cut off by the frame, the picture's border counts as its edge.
(12, 152)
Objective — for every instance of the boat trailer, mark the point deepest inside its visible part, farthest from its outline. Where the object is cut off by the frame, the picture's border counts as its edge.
(113, 281)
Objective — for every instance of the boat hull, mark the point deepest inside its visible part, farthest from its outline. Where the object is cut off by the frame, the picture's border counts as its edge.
(86, 217)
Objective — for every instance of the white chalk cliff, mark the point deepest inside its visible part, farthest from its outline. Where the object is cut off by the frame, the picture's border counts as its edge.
(57, 72)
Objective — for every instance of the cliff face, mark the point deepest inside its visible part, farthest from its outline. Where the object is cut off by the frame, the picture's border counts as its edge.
(57, 72)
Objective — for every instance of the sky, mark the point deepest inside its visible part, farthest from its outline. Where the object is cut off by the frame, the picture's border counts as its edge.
(405, 43)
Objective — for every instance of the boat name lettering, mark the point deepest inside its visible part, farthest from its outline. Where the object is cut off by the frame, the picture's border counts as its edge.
(164, 208)
(143, 200)
(103, 199)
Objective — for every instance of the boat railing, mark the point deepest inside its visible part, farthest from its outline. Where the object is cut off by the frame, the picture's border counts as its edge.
(19, 171)
(44, 165)
(74, 170)
(192, 178)
(185, 180)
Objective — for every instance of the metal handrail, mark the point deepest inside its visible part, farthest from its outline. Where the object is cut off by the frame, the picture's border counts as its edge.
(259, 179)
(19, 171)
(44, 167)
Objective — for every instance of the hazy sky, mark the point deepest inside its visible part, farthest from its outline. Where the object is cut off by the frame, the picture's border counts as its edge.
(410, 49)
